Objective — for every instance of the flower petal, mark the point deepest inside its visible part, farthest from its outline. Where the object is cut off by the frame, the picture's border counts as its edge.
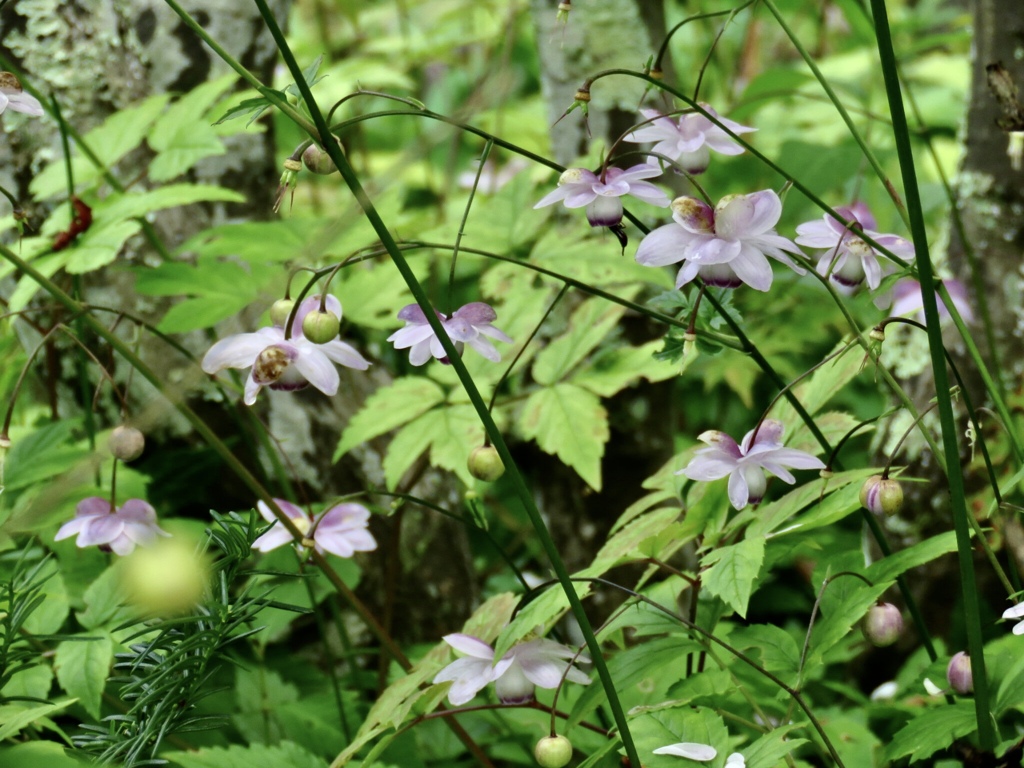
(665, 245)
(469, 645)
(238, 351)
(699, 752)
(344, 354)
(316, 367)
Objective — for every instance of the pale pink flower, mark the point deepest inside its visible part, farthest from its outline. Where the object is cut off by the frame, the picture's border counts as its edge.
(746, 463)
(908, 301)
(540, 662)
(688, 139)
(847, 258)
(285, 364)
(120, 529)
(578, 187)
(726, 245)
(470, 324)
(341, 530)
(12, 97)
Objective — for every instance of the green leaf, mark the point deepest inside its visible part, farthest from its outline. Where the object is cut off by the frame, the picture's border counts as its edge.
(33, 754)
(450, 432)
(388, 408)
(82, 667)
(569, 422)
(932, 730)
(104, 601)
(614, 370)
(182, 136)
(769, 750)
(118, 135)
(287, 754)
(731, 571)
(671, 726)
(923, 552)
(14, 717)
(542, 612)
(133, 204)
(256, 241)
(589, 325)
(777, 648)
(41, 454)
(99, 246)
(768, 519)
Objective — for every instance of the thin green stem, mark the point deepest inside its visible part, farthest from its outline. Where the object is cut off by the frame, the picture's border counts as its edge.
(522, 491)
(972, 615)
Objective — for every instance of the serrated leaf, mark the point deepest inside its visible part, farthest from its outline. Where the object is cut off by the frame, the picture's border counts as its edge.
(811, 496)
(652, 730)
(450, 433)
(104, 601)
(730, 572)
(388, 408)
(82, 667)
(932, 730)
(540, 612)
(118, 135)
(616, 369)
(99, 246)
(261, 241)
(777, 648)
(202, 312)
(769, 750)
(14, 717)
(569, 422)
(588, 326)
(287, 754)
(33, 754)
(134, 204)
(183, 136)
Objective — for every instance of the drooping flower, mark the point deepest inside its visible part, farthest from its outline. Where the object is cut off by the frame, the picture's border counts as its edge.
(1016, 612)
(689, 139)
(120, 529)
(847, 258)
(726, 245)
(341, 530)
(578, 187)
(286, 363)
(540, 662)
(12, 97)
(746, 463)
(469, 324)
(691, 750)
(908, 301)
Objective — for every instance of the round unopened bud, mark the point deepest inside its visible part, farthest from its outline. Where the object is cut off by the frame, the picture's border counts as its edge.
(553, 752)
(318, 161)
(320, 327)
(280, 310)
(959, 674)
(883, 624)
(485, 464)
(881, 495)
(126, 443)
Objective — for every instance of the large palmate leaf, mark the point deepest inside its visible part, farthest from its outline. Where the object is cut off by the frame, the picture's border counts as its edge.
(569, 422)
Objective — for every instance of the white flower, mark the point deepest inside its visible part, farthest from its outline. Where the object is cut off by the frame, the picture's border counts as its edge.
(341, 530)
(746, 463)
(848, 259)
(688, 140)
(691, 750)
(285, 363)
(540, 662)
(1016, 612)
(120, 529)
(469, 324)
(578, 187)
(14, 98)
(725, 245)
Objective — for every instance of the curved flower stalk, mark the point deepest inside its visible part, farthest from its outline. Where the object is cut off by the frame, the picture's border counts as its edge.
(747, 462)
(601, 194)
(287, 364)
(470, 324)
(847, 258)
(540, 662)
(12, 97)
(117, 529)
(689, 139)
(340, 530)
(726, 245)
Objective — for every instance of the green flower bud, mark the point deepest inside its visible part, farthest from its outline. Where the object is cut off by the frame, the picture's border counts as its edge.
(126, 443)
(320, 327)
(883, 624)
(881, 495)
(553, 752)
(280, 310)
(959, 674)
(485, 464)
